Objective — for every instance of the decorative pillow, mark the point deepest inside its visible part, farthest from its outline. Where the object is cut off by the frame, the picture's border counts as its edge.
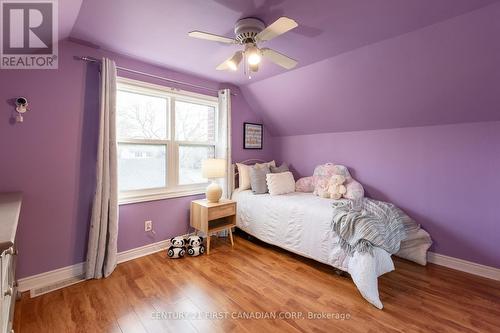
(305, 184)
(258, 179)
(321, 178)
(280, 183)
(244, 173)
(354, 189)
(268, 164)
(322, 173)
(342, 170)
(282, 168)
(325, 170)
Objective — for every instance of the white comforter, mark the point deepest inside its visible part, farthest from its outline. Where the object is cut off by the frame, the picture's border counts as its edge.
(301, 223)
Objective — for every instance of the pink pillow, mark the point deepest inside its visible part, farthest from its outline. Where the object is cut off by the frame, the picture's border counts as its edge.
(305, 184)
(354, 190)
(323, 173)
(325, 170)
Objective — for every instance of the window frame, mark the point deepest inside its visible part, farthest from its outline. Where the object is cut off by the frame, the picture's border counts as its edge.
(172, 187)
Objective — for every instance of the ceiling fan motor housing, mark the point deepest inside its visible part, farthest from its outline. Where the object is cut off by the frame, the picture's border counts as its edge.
(246, 29)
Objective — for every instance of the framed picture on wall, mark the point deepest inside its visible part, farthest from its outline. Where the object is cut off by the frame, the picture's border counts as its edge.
(252, 136)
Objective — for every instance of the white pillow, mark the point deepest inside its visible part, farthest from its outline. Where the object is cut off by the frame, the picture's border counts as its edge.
(280, 183)
(244, 173)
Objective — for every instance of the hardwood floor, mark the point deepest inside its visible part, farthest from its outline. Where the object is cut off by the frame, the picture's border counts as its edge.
(253, 280)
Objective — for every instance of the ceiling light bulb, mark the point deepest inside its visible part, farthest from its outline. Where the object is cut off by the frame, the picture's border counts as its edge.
(254, 57)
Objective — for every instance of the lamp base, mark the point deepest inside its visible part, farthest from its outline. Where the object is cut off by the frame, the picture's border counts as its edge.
(214, 192)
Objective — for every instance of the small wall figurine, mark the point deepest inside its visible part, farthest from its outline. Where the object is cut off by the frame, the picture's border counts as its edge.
(21, 108)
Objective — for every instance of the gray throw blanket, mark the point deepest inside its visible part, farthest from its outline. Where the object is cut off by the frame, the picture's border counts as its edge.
(364, 223)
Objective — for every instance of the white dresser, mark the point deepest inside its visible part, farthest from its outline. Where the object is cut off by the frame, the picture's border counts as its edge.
(10, 207)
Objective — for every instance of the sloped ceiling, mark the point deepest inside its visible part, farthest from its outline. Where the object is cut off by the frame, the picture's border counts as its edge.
(156, 30)
(362, 64)
(67, 13)
(445, 73)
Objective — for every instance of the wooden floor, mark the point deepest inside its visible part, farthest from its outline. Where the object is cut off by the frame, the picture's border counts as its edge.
(220, 292)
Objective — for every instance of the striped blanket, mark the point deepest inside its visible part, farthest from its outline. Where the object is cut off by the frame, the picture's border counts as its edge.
(365, 223)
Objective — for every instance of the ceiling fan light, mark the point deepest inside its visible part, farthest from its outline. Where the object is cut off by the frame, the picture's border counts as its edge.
(253, 68)
(254, 55)
(254, 59)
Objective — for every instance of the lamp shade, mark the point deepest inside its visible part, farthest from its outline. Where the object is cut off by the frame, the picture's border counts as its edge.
(213, 168)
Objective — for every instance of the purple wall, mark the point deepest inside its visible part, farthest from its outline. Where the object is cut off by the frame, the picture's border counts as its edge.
(446, 177)
(51, 158)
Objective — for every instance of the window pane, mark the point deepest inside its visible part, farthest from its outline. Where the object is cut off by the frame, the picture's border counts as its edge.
(141, 166)
(194, 122)
(141, 116)
(190, 158)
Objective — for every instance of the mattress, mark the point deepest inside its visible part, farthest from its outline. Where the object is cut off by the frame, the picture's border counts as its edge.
(301, 223)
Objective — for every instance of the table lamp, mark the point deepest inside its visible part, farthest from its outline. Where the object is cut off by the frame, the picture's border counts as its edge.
(213, 168)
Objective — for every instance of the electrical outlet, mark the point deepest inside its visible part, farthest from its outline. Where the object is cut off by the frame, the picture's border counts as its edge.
(148, 226)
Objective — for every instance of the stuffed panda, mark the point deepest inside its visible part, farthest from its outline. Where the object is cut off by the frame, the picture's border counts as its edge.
(195, 246)
(176, 252)
(195, 251)
(177, 248)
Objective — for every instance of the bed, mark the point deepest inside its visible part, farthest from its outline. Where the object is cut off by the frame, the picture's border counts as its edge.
(301, 223)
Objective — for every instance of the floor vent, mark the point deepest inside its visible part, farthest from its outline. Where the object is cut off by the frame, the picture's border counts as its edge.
(57, 285)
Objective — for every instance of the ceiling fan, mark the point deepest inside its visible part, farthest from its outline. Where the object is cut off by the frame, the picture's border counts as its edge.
(250, 32)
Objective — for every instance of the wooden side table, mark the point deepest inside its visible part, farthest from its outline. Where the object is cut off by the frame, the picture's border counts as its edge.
(210, 217)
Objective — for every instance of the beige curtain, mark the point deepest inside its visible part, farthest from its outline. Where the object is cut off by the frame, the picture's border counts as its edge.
(102, 245)
(223, 149)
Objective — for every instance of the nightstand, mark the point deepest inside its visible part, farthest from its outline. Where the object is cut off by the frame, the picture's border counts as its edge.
(210, 217)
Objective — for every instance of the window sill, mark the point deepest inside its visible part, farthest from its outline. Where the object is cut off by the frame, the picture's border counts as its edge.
(159, 196)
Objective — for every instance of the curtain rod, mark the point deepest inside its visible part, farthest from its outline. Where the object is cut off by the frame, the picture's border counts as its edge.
(133, 71)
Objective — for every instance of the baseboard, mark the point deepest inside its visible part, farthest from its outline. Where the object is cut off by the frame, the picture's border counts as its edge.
(51, 277)
(464, 266)
(69, 273)
(143, 251)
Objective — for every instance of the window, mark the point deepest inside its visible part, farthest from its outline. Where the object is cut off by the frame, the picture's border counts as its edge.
(163, 136)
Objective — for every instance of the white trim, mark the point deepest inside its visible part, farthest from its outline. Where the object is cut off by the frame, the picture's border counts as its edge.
(160, 196)
(464, 266)
(138, 85)
(172, 188)
(78, 270)
(51, 277)
(143, 251)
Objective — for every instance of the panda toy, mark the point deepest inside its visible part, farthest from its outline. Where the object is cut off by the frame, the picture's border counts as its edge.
(177, 248)
(195, 246)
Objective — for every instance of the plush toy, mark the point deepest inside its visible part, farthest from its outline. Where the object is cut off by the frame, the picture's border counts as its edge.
(336, 188)
(321, 189)
(195, 246)
(177, 248)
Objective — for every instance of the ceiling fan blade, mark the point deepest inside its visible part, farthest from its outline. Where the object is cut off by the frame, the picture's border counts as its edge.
(279, 59)
(278, 27)
(231, 63)
(211, 37)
